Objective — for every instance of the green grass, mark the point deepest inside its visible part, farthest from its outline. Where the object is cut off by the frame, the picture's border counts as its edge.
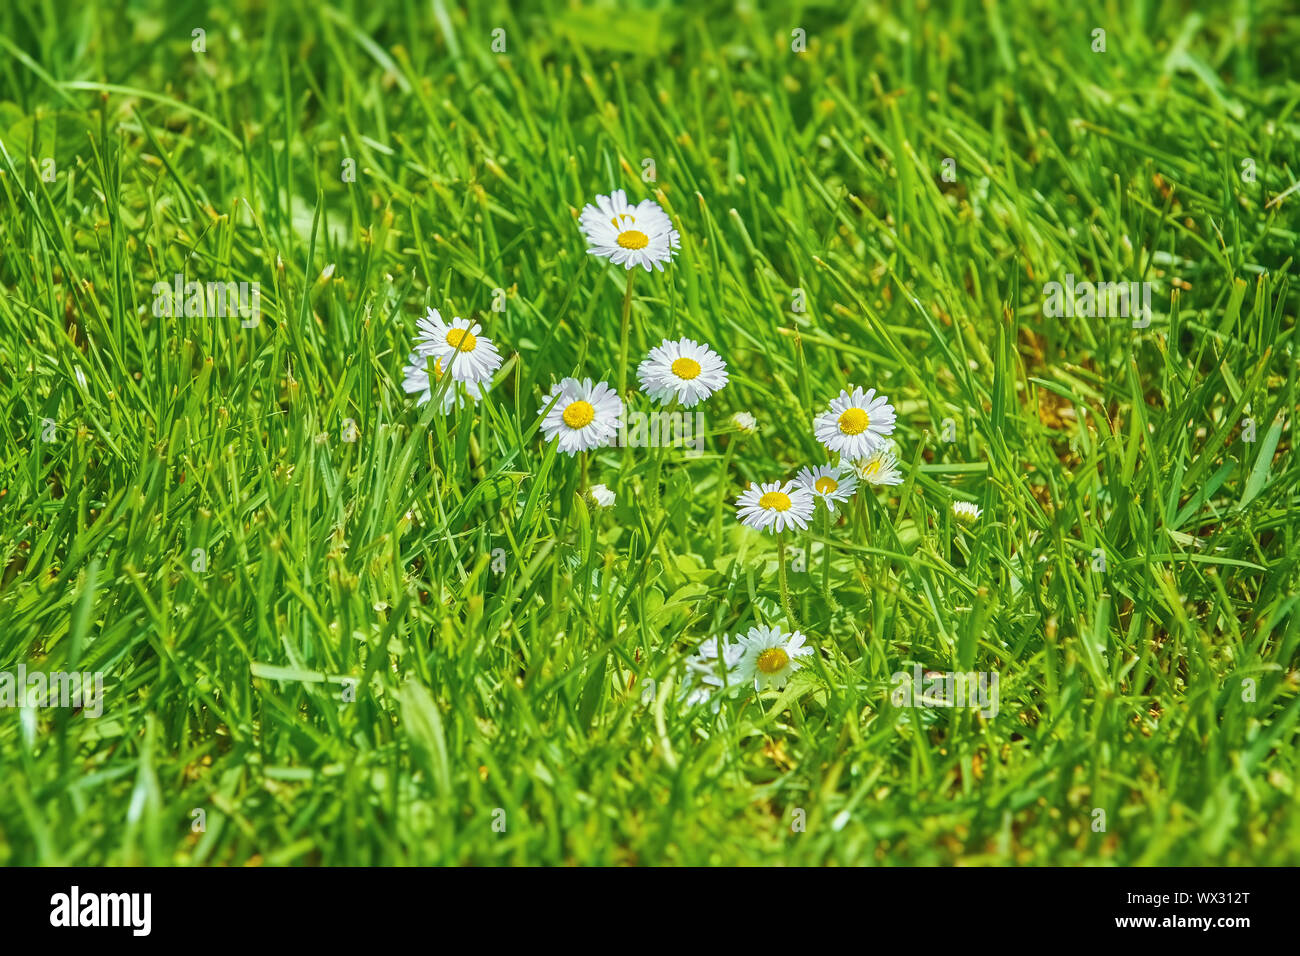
(521, 691)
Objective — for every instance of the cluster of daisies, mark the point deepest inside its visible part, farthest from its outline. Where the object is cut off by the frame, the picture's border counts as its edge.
(855, 427)
(581, 415)
(454, 364)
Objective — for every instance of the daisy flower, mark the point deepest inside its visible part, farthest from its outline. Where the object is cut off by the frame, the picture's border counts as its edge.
(745, 422)
(702, 666)
(879, 468)
(603, 497)
(630, 236)
(856, 423)
(829, 483)
(467, 354)
(768, 656)
(965, 512)
(416, 380)
(699, 695)
(685, 370)
(585, 417)
(775, 506)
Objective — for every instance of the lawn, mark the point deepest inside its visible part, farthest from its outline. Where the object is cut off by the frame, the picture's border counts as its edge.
(336, 625)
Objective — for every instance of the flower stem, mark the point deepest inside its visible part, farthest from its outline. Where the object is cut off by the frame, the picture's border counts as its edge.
(582, 464)
(657, 453)
(864, 535)
(826, 557)
(622, 334)
(785, 587)
(722, 489)
(656, 464)
(867, 534)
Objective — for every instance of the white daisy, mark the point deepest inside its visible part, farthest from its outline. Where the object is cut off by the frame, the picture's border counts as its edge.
(692, 695)
(879, 468)
(416, 380)
(965, 512)
(685, 370)
(768, 656)
(745, 422)
(603, 497)
(830, 483)
(703, 667)
(775, 506)
(631, 236)
(586, 416)
(855, 424)
(466, 353)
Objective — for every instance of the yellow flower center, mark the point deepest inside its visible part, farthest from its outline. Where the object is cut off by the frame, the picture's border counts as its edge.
(633, 239)
(775, 501)
(854, 421)
(461, 340)
(825, 485)
(579, 415)
(686, 368)
(773, 660)
(871, 468)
